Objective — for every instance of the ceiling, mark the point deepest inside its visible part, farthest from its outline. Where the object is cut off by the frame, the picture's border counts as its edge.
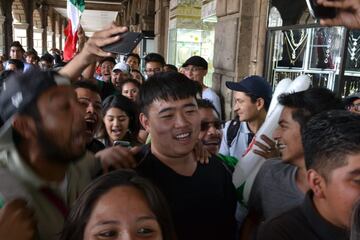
(97, 14)
(93, 20)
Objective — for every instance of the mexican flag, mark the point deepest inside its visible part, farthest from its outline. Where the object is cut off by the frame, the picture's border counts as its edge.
(74, 11)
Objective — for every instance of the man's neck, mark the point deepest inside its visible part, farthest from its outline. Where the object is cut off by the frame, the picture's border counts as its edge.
(254, 125)
(301, 179)
(184, 165)
(327, 213)
(46, 169)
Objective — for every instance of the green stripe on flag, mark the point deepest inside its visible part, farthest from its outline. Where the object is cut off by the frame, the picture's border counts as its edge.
(79, 4)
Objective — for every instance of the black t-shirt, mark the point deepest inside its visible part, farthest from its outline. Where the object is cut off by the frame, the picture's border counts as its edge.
(300, 223)
(95, 146)
(202, 205)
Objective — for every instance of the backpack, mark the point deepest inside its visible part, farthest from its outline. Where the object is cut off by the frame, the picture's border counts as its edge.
(232, 131)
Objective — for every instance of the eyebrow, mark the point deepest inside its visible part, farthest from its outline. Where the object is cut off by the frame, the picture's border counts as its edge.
(172, 108)
(107, 222)
(87, 98)
(115, 222)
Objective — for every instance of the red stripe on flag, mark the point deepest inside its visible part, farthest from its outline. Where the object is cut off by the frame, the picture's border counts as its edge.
(70, 43)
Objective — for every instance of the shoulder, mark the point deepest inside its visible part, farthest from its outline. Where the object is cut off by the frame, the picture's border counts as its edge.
(286, 226)
(276, 167)
(209, 93)
(11, 187)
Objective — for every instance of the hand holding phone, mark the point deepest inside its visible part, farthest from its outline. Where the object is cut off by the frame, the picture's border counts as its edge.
(126, 44)
(318, 11)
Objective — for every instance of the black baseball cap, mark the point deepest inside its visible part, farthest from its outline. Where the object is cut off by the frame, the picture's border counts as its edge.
(254, 85)
(196, 61)
(19, 90)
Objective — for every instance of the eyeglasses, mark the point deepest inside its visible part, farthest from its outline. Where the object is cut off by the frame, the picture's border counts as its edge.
(193, 69)
(355, 107)
(204, 126)
(154, 70)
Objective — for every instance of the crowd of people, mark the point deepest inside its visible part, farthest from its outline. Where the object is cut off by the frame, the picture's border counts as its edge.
(94, 149)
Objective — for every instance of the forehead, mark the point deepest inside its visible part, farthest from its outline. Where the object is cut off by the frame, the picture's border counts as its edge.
(87, 93)
(131, 58)
(350, 168)
(286, 114)
(55, 93)
(153, 65)
(114, 111)
(161, 104)
(240, 95)
(13, 48)
(107, 63)
(208, 114)
(129, 85)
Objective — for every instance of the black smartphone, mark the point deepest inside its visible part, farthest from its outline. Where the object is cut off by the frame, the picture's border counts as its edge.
(320, 12)
(127, 43)
(122, 143)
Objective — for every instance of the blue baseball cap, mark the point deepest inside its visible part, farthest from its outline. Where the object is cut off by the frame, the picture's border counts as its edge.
(254, 85)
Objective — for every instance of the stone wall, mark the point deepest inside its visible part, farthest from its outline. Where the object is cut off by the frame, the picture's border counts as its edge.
(240, 36)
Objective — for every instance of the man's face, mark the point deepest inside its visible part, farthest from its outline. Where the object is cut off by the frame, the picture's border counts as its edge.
(210, 130)
(195, 73)
(244, 107)
(288, 137)
(355, 106)
(62, 129)
(133, 62)
(106, 68)
(117, 77)
(174, 126)
(91, 101)
(153, 67)
(16, 53)
(341, 191)
(45, 65)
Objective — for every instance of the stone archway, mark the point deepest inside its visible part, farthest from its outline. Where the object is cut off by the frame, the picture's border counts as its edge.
(37, 31)
(19, 23)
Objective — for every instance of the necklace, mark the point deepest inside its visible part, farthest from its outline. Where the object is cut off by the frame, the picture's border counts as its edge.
(353, 48)
(293, 61)
(295, 45)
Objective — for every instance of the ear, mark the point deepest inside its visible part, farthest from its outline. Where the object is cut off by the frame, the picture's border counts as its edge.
(144, 120)
(260, 104)
(25, 126)
(317, 183)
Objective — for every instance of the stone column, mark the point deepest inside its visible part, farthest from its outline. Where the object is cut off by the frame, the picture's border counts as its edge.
(29, 8)
(8, 30)
(161, 26)
(44, 13)
(240, 37)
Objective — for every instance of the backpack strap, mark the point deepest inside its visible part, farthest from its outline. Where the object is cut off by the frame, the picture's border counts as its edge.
(232, 131)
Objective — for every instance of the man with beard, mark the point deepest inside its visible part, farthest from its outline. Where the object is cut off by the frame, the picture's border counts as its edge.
(194, 191)
(43, 157)
(42, 137)
(120, 73)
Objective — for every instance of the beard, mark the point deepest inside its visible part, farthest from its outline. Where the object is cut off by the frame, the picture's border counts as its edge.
(55, 153)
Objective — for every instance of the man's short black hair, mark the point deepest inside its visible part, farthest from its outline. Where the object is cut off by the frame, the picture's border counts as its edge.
(18, 64)
(329, 138)
(135, 55)
(47, 57)
(310, 102)
(154, 57)
(87, 85)
(107, 59)
(171, 67)
(167, 86)
(206, 103)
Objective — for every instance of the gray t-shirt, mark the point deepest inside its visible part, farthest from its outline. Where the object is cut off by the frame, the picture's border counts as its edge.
(274, 190)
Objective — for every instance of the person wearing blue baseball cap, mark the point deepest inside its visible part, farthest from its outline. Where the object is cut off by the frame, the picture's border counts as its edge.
(252, 97)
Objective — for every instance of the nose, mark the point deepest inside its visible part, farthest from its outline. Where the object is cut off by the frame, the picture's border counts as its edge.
(90, 108)
(212, 130)
(276, 134)
(181, 120)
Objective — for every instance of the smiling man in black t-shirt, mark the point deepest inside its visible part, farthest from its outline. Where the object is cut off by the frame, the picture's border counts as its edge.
(201, 197)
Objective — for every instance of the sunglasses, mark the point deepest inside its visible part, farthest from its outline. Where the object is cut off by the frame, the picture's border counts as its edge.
(204, 126)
